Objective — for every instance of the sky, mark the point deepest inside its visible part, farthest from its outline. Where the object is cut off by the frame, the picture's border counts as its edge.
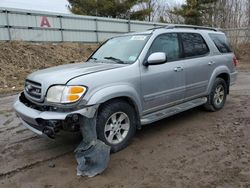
(59, 6)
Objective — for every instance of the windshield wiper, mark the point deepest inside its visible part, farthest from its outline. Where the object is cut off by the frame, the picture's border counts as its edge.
(93, 58)
(115, 59)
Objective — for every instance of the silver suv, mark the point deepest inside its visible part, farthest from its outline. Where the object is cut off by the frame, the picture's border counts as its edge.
(129, 81)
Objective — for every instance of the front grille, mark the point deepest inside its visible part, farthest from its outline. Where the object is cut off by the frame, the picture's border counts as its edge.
(33, 89)
(32, 105)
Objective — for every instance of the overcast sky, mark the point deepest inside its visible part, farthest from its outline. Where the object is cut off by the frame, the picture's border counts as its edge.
(43, 5)
(48, 5)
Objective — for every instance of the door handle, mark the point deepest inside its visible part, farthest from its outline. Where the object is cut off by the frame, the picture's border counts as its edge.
(211, 63)
(178, 69)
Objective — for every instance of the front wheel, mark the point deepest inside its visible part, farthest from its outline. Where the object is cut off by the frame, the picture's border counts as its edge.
(218, 95)
(116, 124)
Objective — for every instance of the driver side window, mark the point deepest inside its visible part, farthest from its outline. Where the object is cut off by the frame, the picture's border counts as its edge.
(167, 43)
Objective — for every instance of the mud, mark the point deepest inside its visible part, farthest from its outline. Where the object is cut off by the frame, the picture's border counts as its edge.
(192, 149)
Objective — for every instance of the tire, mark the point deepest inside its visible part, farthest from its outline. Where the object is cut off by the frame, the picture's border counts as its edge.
(116, 124)
(217, 97)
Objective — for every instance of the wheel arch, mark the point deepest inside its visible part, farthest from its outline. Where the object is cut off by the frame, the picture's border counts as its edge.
(122, 93)
(220, 72)
(127, 100)
(226, 77)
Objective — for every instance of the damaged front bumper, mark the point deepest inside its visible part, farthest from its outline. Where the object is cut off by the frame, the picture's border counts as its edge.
(50, 122)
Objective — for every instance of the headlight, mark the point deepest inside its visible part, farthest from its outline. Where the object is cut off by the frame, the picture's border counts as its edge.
(65, 94)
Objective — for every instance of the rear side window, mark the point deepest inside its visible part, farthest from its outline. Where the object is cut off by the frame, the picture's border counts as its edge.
(220, 42)
(193, 45)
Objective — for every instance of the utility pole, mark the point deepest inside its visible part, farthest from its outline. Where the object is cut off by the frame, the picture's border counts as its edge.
(248, 13)
(149, 7)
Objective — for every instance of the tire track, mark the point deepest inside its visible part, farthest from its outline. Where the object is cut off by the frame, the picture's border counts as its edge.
(26, 140)
(31, 165)
(15, 144)
(8, 121)
(11, 128)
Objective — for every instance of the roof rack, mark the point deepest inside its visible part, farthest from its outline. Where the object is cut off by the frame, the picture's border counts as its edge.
(173, 26)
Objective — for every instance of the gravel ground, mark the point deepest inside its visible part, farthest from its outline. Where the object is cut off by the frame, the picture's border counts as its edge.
(191, 149)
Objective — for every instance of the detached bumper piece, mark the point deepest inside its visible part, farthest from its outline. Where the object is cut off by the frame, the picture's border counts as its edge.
(92, 155)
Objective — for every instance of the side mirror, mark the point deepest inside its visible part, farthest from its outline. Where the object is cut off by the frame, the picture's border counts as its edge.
(156, 59)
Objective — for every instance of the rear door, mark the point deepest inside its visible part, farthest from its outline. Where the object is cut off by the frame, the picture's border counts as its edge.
(197, 66)
(163, 85)
(225, 54)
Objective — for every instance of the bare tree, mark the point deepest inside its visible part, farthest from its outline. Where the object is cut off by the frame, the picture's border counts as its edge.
(223, 13)
(230, 14)
(152, 5)
(165, 13)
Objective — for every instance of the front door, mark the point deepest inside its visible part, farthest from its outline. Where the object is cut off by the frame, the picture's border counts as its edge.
(163, 85)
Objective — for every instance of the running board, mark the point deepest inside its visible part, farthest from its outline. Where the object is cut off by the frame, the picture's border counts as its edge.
(150, 118)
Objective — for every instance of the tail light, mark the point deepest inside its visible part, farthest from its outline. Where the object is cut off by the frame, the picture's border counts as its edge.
(235, 61)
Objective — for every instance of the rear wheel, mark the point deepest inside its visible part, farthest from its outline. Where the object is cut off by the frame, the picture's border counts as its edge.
(116, 124)
(217, 97)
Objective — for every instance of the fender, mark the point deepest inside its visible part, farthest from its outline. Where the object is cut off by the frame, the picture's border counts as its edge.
(112, 92)
(217, 71)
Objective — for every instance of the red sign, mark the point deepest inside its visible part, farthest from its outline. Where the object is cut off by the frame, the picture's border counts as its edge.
(45, 22)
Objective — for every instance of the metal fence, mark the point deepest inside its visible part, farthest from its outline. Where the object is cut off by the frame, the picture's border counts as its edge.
(238, 35)
(39, 26)
(16, 24)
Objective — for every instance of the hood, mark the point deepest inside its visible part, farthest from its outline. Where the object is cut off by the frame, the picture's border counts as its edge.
(63, 73)
(60, 75)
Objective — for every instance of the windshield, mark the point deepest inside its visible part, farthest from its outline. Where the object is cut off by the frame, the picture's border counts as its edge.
(125, 49)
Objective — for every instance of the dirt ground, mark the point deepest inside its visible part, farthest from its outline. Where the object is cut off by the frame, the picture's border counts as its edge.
(192, 149)
(18, 59)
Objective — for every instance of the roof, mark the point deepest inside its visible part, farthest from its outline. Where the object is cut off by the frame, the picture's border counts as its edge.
(179, 26)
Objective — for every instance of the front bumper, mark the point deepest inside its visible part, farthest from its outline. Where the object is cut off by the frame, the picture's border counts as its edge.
(39, 121)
